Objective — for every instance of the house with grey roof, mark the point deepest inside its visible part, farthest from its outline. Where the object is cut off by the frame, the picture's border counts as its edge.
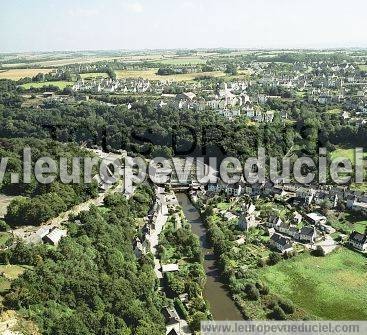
(281, 243)
(54, 236)
(358, 241)
(307, 234)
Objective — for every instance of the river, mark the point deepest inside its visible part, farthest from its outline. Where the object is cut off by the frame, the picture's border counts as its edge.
(221, 304)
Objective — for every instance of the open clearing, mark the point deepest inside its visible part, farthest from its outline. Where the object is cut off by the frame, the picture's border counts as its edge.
(60, 84)
(94, 75)
(347, 222)
(345, 153)
(331, 287)
(9, 273)
(16, 74)
(151, 74)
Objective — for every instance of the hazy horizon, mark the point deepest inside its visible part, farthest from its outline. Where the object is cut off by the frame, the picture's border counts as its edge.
(137, 25)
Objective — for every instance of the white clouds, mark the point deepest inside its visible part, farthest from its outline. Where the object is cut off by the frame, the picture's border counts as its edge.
(188, 5)
(84, 12)
(135, 7)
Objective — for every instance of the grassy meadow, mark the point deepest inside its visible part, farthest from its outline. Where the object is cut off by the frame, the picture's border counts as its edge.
(345, 153)
(95, 75)
(151, 74)
(331, 287)
(183, 61)
(60, 84)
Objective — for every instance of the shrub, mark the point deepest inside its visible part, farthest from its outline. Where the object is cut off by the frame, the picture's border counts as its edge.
(262, 287)
(278, 313)
(252, 292)
(319, 252)
(261, 263)
(286, 305)
(180, 308)
(274, 258)
(4, 226)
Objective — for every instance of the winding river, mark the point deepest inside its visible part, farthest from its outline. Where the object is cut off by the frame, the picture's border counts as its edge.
(221, 304)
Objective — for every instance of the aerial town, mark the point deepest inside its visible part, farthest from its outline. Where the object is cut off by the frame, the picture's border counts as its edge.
(164, 168)
(256, 233)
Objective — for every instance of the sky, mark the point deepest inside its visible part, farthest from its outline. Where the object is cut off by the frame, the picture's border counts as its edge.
(54, 25)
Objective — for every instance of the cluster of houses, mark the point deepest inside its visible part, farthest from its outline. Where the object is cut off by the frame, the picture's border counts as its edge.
(284, 233)
(143, 245)
(107, 85)
(323, 82)
(297, 195)
(300, 197)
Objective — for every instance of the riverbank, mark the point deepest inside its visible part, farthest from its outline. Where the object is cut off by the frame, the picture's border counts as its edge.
(221, 304)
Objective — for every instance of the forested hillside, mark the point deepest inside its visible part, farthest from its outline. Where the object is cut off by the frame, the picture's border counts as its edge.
(92, 283)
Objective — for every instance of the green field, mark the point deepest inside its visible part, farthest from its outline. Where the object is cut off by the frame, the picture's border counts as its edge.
(347, 222)
(93, 75)
(345, 153)
(334, 111)
(10, 272)
(60, 84)
(183, 61)
(332, 287)
(151, 74)
(223, 205)
(363, 67)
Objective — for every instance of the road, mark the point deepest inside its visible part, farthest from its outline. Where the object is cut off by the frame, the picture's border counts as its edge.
(161, 220)
(32, 234)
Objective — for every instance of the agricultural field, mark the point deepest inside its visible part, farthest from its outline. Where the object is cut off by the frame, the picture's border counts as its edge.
(183, 61)
(359, 187)
(151, 74)
(16, 74)
(60, 84)
(96, 75)
(84, 59)
(331, 287)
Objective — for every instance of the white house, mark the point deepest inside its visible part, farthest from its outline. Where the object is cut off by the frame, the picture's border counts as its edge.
(358, 206)
(246, 222)
(316, 218)
(170, 268)
(358, 241)
(281, 243)
(307, 234)
(54, 236)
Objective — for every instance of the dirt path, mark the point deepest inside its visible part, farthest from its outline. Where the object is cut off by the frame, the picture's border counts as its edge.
(31, 234)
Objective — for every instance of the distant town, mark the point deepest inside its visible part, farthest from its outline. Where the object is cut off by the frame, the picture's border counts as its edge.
(97, 258)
